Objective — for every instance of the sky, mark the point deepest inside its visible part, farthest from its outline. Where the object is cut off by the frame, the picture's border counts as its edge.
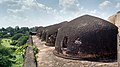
(32, 13)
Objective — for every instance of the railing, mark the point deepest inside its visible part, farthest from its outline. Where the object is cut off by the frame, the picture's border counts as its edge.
(29, 59)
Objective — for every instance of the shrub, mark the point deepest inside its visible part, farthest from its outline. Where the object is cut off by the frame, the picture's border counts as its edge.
(21, 49)
(14, 42)
(6, 56)
(22, 40)
(35, 49)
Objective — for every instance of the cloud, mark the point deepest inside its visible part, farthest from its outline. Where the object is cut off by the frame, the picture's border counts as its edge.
(84, 11)
(1, 1)
(118, 5)
(31, 6)
(15, 11)
(26, 12)
(22, 5)
(105, 5)
(14, 20)
(69, 5)
(32, 12)
(29, 3)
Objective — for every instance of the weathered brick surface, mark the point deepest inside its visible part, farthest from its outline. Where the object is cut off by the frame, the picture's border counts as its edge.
(29, 60)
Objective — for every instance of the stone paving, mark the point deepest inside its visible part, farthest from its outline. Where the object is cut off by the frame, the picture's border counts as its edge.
(46, 58)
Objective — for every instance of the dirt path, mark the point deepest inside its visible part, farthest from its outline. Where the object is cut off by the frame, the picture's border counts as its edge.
(46, 58)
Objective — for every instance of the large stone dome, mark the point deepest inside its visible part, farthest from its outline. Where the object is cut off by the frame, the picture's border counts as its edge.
(86, 36)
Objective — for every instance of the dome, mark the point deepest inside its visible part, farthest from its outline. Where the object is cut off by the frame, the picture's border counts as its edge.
(86, 37)
(39, 31)
(51, 33)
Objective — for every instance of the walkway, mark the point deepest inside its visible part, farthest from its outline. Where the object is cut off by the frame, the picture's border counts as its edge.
(47, 59)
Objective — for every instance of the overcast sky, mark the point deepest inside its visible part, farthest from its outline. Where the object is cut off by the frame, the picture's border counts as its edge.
(46, 12)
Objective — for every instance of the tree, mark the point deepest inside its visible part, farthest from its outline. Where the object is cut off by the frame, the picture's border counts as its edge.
(34, 29)
(3, 29)
(17, 28)
(24, 29)
(9, 29)
(6, 35)
(16, 36)
(2, 34)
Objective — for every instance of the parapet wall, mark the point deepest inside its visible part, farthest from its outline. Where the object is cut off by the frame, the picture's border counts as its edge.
(29, 60)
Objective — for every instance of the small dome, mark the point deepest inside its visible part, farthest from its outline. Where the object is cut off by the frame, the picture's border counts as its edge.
(51, 33)
(39, 31)
(85, 37)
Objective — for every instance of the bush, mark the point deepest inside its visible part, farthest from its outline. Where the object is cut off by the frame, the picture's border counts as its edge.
(6, 56)
(35, 49)
(21, 49)
(14, 42)
(22, 40)
(6, 35)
